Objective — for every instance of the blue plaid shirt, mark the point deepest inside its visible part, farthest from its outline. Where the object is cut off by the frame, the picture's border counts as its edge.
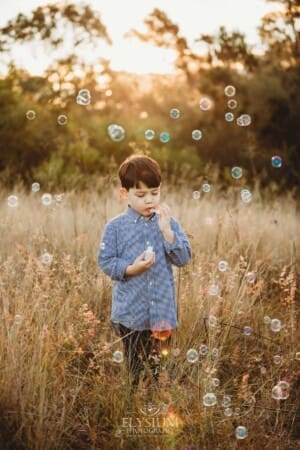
(147, 300)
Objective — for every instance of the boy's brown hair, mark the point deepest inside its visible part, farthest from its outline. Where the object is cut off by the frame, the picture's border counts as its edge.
(138, 168)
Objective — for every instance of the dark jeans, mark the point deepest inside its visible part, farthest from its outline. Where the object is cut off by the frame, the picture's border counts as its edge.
(142, 351)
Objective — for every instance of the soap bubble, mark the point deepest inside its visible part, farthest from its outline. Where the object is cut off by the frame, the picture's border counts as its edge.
(226, 400)
(275, 325)
(58, 198)
(209, 399)
(229, 91)
(176, 351)
(246, 195)
(18, 319)
(232, 103)
(84, 97)
(205, 104)
(196, 195)
(174, 113)
(46, 199)
(47, 258)
(206, 187)
(276, 161)
(117, 356)
(244, 120)
(215, 382)
(247, 331)
(241, 432)
(229, 117)
(30, 114)
(228, 412)
(222, 266)
(116, 132)
(212, 321)
(213, 289)
(12, 201)
(149, 134)
(203, 350)
(250, 277)
(236, 172)
(102, 246)
(196, 135)
(277, 359)
(35, 187)
(281, 391)
(267, 320)
(192, 355)
(215, 352)
(62, 119)
(164, 137)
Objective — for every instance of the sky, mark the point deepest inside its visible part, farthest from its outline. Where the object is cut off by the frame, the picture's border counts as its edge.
(193, 17)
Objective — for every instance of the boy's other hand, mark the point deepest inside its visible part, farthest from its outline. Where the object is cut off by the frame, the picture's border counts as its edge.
(164, 217)
(140, 265)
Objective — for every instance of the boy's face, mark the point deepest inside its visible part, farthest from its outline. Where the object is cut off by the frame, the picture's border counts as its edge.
(143, 199)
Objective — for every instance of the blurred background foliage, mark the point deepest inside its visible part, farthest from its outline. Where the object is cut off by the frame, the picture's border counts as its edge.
(75, 154)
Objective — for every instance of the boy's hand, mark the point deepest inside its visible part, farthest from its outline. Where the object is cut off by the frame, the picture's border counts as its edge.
(164, 217)
(139, 265)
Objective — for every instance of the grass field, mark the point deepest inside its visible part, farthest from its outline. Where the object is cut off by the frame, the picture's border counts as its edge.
(59, 386)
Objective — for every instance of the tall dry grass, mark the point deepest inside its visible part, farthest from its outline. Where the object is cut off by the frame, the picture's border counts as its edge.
(60, 389)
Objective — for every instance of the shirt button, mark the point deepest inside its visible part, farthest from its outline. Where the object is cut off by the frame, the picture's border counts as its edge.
(150, 283)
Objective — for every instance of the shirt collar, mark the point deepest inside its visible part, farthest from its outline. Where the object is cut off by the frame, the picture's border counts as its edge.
(136, 217)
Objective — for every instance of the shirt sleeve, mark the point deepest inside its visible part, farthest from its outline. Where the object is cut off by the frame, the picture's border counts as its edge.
(179, 251)
(108, 259)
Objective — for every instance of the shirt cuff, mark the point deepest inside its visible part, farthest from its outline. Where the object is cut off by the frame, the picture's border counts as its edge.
(176, 244)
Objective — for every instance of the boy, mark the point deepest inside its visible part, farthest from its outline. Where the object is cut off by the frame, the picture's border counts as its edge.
(143, 298)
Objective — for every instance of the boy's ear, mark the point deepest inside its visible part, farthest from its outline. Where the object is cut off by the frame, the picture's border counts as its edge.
(123, 193)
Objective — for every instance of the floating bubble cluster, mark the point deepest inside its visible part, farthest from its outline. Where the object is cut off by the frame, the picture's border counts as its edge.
(192, 355)
(209, 399)
(149, 134)
(83, 97)
(62, 119)
(47, 199)
(12, 201)
(196, 135)
(205, 104)
(236, 172)
(229, 91)
(30, 114)
(116, 132)
(164, 137)
(241, 432)
(118, 356)
(276, 161)
(174, 113)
